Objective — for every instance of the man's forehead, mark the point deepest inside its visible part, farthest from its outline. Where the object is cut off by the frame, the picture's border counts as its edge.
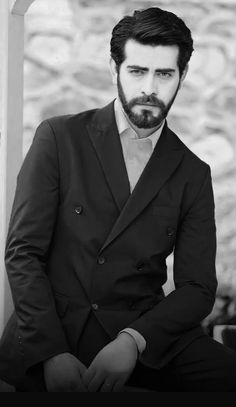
(142, 54)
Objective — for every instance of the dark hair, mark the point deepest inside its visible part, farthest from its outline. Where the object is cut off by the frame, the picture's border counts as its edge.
(152, 26)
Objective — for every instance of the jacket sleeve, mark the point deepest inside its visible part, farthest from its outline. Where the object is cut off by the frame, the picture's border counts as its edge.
(29, 237)
(173, 320)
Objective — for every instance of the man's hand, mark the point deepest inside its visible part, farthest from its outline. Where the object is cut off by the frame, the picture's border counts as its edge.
(112, 366)
(63, 373)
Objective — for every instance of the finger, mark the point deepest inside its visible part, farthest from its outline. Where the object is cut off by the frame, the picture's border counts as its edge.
(78, 388)
(82, 388)
(88, 375)
(95, 383)
(107, 386)
(82, 369)
(118, 386)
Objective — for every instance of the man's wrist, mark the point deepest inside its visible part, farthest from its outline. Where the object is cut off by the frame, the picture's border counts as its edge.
(129, 340)
(138, 338)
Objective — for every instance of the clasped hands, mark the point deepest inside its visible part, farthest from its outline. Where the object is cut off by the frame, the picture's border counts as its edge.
(108, 372)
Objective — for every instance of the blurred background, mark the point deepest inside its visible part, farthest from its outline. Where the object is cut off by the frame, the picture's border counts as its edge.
(66, 70)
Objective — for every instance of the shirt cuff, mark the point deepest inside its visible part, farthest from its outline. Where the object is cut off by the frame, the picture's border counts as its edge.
(139, 339)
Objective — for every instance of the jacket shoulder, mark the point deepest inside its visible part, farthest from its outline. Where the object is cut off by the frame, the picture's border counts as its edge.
(190, 157)
(57, 123)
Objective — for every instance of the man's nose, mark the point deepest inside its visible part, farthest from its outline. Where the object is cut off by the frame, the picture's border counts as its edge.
(149, 86)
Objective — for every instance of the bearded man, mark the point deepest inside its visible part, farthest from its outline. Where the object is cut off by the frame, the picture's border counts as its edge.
(103, 198)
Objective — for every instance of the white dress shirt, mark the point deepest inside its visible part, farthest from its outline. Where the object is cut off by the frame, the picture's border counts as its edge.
(128, 136)
(134, 166)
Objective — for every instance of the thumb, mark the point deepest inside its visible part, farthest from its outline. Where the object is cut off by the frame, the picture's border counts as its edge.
(82, 368)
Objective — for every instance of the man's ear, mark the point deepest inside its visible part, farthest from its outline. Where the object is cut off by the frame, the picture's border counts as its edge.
(113, 71)
(184, 74)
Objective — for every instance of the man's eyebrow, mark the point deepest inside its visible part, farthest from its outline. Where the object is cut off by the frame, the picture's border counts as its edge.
(165, 70)
(142, 68)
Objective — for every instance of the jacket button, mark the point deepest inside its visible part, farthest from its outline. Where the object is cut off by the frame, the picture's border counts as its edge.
(95, 307)
(170, 232)
(79, 210)
(101, 260)
(140, 266)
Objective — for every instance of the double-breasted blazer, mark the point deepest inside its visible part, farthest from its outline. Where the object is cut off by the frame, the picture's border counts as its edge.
(81, 245)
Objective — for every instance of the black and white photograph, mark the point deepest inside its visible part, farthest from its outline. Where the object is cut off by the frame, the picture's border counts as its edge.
(117, 196)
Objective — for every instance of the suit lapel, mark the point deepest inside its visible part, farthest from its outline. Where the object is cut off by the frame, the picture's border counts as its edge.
(166, 157)
(105, 138)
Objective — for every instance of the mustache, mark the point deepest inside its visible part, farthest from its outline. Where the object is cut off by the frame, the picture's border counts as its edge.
(147, 100)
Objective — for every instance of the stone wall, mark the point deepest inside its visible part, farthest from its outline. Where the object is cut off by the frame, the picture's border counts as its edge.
(66, 71)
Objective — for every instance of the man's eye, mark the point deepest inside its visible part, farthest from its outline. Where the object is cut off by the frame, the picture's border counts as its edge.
(136, 72)
(164, 75)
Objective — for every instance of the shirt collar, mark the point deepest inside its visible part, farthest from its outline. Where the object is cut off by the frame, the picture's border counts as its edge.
(123, 125)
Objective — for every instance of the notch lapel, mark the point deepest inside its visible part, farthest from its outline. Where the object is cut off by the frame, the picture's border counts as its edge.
(105, 138)
(166, 157)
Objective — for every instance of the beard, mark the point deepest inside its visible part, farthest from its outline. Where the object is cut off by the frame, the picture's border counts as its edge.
(146, 119)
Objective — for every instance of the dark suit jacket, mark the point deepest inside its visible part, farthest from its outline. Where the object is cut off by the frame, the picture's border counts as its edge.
(77, 237)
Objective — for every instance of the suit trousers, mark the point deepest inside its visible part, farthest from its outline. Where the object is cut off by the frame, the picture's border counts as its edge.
(205, 365)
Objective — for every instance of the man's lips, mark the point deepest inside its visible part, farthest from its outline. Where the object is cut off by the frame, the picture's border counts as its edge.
(147, 104)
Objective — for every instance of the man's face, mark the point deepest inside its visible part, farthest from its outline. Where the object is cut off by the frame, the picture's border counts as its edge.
(148, 82)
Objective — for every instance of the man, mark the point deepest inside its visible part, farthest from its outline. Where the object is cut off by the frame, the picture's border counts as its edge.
(102, 198)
